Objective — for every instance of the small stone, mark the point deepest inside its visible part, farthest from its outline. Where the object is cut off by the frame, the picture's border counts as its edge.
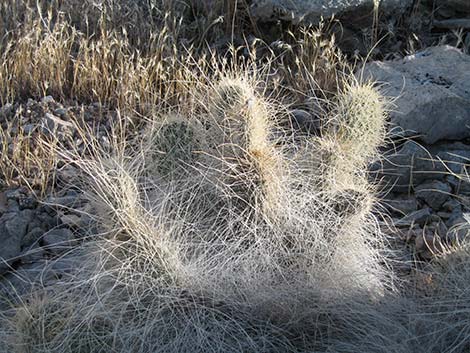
(32, 236)
(434, 193)
(451, 205)
(71, 220)
(29, 128)
(428, 245)
(444, 215)
(419, 217)
(304, 121)
(60, 112)
(58, 240)
(402, 204)
(33, 254)
(48, 100)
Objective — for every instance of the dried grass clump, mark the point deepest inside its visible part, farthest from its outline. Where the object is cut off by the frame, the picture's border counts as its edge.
(25, 159)
(48, 53)
(446, 305)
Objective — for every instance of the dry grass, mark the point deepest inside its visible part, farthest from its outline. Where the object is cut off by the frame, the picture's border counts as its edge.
(25, 159)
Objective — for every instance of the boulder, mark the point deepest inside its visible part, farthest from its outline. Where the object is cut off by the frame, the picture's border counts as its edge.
(311, 11)
(431, 92)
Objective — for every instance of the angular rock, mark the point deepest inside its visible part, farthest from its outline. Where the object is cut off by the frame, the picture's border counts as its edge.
(432, 91)
(310, 11)
(459, 229)
(450, 7)
(402, 204)
(13, 227)
(418, 217)
(413, 164)
(428, 245)
(434, 193)
(58, 240)
(304, 121)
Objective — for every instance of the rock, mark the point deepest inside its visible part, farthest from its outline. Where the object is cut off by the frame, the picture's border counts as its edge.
(311, 11)
(413, 164)
(3, 203)
(32, 254)
(32, 237)
(428, 245)
(451, 205)
(454, 23)
(71, 220)
(434, 193)
(67, 201)
(402, 204)
(29, 128)
(432, 91)
(418, 217)
(450, 7)
(459, 229)
(13, 227)
(58, 240)
(304, 121)
(62, 112)
(47, 100)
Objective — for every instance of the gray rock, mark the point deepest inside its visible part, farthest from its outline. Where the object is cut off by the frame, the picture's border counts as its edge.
(418, 217)
(452, 205)
(304, 121)
(58, 240)
(13, 227)
(47, 100)
(32, 254)
(434, 193)
(453, 23)
(432, 91)
(310, 11)
(450, 7)
(32, 236)
(459, 229)
(428, 245)
(64, 201)
(402, 204)
(414, 164)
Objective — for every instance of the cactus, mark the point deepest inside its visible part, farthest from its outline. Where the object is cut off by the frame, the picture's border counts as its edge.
(174, 142)
(248, 167)
(359, 124)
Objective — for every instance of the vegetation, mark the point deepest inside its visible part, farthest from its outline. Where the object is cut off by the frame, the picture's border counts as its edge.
(221, 228)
